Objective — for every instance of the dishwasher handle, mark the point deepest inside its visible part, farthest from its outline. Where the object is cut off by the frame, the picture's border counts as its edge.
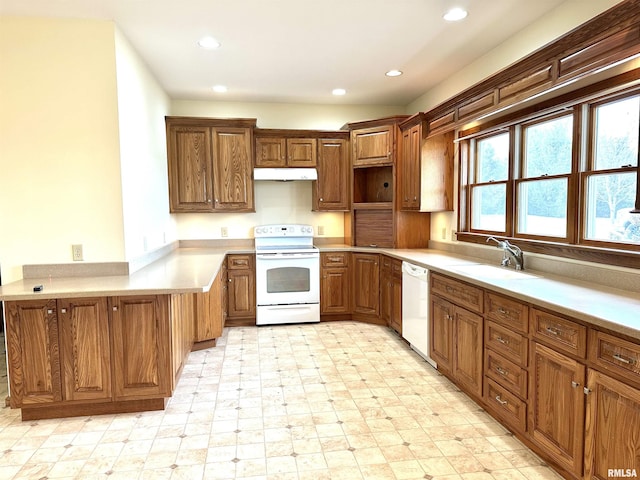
(414, 270)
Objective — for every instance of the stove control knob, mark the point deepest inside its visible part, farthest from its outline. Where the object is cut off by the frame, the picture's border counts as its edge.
(258, 230)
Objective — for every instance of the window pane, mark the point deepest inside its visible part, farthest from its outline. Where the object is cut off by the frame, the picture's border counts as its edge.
(488, 208)
(617, 134)
(542, 207)
(609, 200)
(493, 158)
(548, 147)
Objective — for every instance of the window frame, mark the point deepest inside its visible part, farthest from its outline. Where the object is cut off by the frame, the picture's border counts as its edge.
(574, 245)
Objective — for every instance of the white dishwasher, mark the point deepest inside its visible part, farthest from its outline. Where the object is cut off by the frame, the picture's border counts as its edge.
(415, 309)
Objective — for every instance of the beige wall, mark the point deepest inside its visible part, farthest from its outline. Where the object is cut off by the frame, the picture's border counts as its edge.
(59, 155)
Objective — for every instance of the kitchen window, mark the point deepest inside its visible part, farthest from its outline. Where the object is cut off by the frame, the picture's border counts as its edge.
(561, 183)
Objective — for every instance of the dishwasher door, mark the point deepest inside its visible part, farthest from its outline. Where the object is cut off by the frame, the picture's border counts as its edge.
(415, 309)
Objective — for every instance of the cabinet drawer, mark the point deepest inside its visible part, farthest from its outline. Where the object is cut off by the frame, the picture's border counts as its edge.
(616, 355)
(335, 259)
(559, 332)
(239, 262)
(458, 292)
(509, 407)
(506, 373)
(510, 345)
(506, 311)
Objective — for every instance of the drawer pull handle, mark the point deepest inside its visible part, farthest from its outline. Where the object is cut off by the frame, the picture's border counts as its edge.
(620, 358)
(553, 331)
(502, 340)
(503, 311)
(500, 401)
(502, 371)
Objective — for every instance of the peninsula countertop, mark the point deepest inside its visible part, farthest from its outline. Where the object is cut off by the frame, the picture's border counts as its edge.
(192, 270)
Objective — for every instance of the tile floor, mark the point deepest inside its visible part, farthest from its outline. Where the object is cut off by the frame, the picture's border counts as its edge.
(342, 400)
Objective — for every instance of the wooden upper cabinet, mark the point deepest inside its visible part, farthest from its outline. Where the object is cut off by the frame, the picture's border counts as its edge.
(233, 169)
(190, 168)
(331, 190)
(373, 146)
(302, 152)
(85, 348)
(210, 164)
(33, 352)
(409, 168)
(285, 152)
(436, 173)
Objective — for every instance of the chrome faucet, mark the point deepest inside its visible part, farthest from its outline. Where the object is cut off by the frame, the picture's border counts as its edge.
(510, 252)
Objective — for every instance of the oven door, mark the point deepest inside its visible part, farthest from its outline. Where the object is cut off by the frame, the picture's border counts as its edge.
(287, 278)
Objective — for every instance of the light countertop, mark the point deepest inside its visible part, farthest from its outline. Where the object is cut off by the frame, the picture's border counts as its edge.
(191, 270)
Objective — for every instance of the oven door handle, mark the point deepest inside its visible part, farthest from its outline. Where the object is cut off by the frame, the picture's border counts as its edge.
(280, 256)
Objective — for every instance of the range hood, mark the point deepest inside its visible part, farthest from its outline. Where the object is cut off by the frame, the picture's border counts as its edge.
(285, 174)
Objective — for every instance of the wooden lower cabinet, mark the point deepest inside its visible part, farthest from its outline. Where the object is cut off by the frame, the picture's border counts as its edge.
(141, 340)
(33, 352)
(556, 399)
(88, 356)
(241, 286)
(612, 434)
(366, 284)
(85, 348)
(391, 293)
(210, 309)
(456, 343)
(335, 283)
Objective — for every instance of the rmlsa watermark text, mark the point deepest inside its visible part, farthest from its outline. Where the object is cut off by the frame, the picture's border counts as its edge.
(622, 473)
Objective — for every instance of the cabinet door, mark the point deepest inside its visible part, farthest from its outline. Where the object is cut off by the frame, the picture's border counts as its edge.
(141, 340)
(332, 186)
(302, 152)
(612, 426)
(441, 334)
(366, 287)
(241, 289)
(468, 351)
(232, 169)
(85, 348)
(409, 169)
(396, 304)
(209, 311)
(556, 420)
(373, 146)
(190, 164)
(33, 352)
(436, 163)
(271, 152)
(335, 290)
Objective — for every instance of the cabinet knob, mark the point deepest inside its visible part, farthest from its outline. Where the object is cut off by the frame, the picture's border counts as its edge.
(49, 311)
(229, 280)
(321, 199)
(115, 309)
(575, 384)
(209, 200)
(63, 310)
(415, 198)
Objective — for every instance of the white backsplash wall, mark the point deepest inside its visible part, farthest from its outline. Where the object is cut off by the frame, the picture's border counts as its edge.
(276, 202)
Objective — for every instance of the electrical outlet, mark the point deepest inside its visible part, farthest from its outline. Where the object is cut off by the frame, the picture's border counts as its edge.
(224, 231)
(320, 229)
(453, 236)
(76, 252)
(443, 234)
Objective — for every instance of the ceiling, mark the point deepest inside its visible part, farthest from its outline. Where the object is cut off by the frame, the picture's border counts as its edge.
(298, 51)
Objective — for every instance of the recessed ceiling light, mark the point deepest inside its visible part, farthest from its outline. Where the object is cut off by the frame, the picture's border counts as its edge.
(455, 14)
(339, 91)
(219, 88)
(393, 73)
(208, 43)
